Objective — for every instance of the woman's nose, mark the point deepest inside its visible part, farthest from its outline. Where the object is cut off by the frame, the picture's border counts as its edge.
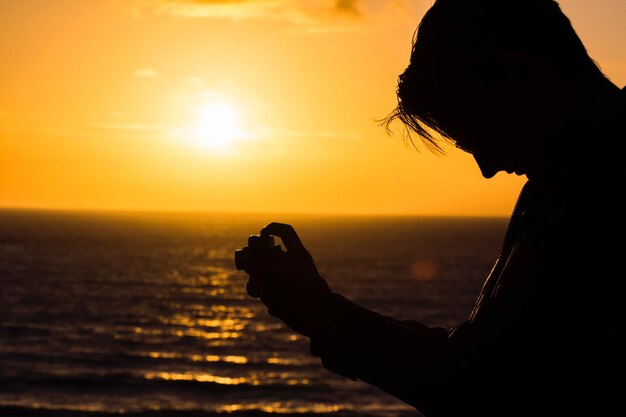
(487, 166)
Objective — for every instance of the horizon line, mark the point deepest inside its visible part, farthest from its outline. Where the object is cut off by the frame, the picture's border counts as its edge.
(235, 212)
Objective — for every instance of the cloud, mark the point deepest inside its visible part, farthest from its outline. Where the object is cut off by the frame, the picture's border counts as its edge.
(348, 6)
(136, 127)
(146, 73)
(267, 131)
(295, 11)
(82, 131)
(196, 81)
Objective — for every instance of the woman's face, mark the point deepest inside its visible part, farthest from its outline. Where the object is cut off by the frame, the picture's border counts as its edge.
(505, 125)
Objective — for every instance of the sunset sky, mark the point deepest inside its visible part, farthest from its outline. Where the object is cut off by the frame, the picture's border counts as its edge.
(255, 106)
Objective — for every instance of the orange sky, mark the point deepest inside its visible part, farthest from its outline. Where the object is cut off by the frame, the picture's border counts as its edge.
(107, 104)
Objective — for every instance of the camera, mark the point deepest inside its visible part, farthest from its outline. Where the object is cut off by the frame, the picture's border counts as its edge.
(267, 246)
(241, 258)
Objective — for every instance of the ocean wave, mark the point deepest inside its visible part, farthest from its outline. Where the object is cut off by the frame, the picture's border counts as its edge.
(157, 381)
(262, 411)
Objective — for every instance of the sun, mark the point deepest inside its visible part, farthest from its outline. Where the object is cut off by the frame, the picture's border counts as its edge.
(217, 127)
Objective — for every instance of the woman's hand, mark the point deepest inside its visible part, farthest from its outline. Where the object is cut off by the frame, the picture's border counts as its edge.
(287, 282)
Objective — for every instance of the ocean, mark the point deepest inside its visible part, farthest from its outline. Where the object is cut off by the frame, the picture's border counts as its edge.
(114, 313)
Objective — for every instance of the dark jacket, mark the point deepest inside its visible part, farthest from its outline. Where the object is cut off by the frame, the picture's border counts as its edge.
(546, 336)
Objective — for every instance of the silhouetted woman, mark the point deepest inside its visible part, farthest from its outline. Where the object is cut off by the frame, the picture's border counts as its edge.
(511, 83)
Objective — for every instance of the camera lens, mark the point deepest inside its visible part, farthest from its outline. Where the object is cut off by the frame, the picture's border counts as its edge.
(241, 258)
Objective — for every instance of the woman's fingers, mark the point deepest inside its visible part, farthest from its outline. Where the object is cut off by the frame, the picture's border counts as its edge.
(260, 272)
(254, 287)
(296, 254)
(287, 234)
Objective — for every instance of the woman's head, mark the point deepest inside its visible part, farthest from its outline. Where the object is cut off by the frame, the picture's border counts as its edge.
(485, 72)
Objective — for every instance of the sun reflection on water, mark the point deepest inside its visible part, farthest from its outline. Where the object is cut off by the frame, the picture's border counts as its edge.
(239, 360)
(187, 321)
(214, 325)
(282, 408)
(284, 361)
(199, 377)
(190, 332)
(217, 322)
(235, 359)
(207, 335)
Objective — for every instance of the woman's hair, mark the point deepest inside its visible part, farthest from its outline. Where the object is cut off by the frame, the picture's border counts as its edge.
(457, 45)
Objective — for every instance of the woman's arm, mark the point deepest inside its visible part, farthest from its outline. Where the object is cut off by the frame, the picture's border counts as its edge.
(409, 360)
(413, 362)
